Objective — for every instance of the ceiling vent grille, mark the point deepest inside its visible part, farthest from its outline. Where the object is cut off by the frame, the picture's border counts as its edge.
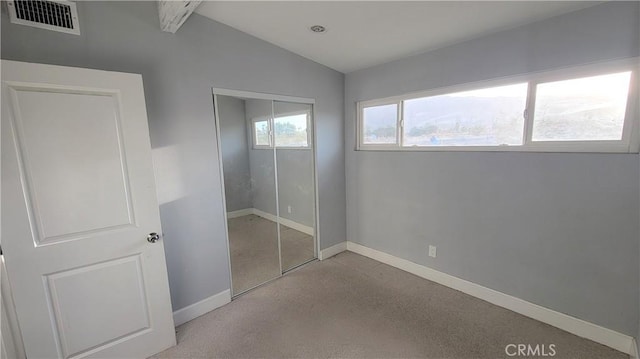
(56, 15)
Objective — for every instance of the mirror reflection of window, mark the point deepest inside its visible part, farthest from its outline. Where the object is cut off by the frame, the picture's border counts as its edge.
(261, 133)
(291, 131)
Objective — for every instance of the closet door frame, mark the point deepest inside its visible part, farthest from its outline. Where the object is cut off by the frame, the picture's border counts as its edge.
(216, 91)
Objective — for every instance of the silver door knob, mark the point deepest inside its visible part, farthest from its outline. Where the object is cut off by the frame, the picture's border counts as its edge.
(153, 237)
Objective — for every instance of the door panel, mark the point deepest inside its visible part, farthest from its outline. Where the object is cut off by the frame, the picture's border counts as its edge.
(76, 168)
(70, 198)
(75, 318)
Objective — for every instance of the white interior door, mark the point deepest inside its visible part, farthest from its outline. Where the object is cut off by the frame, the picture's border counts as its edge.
(78, 204)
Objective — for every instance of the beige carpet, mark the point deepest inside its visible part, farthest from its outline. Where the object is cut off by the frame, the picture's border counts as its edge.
(352, 307)
(253, 243)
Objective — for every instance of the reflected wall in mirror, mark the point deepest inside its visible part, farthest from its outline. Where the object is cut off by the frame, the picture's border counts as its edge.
(268, 166)
(249, 184)
(294, 160)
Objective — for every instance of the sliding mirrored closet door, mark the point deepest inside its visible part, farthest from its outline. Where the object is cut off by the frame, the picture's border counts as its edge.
(296, 186)
(269, 186)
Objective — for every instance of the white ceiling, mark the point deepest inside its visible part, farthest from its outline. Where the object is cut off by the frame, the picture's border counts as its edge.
(366, 33)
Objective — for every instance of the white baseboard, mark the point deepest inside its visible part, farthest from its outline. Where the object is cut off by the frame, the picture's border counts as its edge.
(297, 226)
(285, 222)
(265, 215)
(635, 349)
(333, 250)
(204, 306)
(579, 327)
(239, 213)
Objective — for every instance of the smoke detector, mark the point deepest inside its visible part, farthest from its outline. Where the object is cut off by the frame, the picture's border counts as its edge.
(56, 15)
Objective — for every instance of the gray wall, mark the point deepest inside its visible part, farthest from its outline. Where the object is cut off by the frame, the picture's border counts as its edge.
(295, 185)
(295, 174)
(263, 181)
(235, 153)
(556, 229)
(295, 170)
(178, 72)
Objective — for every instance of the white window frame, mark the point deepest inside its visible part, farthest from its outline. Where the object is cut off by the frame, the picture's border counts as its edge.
(630, 132)
(254, 141)
(271, 133)
(294, 113)
(380, 146)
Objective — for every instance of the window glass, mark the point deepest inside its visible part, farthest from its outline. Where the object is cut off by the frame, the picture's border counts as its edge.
(261, 132)
(380, 124)
(584, 109)
(291, 131)
(485, 117)
(549, 112)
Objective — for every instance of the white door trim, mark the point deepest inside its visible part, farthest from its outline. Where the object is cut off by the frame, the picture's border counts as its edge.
(261, 96)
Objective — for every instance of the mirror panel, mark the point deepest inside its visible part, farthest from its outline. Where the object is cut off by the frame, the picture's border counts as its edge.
(292, 127)
(250, 190)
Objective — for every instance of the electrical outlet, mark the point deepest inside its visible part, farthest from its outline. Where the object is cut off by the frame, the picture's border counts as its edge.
(432, 251)
(289, 209)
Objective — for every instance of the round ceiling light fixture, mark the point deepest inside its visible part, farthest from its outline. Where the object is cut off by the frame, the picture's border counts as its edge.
(318, 28)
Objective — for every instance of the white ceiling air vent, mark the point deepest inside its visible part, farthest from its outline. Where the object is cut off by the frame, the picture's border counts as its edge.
(56, 15)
